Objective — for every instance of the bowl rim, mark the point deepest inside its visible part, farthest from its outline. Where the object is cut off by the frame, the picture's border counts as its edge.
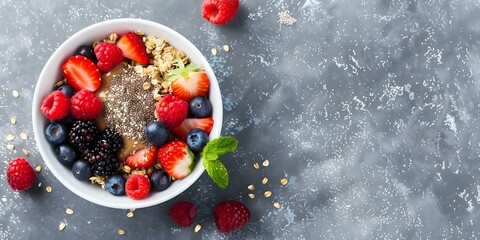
(36, 102)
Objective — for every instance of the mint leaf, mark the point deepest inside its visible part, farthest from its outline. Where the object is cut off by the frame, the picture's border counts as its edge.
(220, 146)
(217, 172)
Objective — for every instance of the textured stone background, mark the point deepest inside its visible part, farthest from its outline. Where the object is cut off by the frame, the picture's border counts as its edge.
(370, 108)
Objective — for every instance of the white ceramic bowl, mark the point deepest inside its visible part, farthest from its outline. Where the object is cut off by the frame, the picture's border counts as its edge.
(51, 73)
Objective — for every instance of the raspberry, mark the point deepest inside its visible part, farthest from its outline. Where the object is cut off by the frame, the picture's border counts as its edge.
(56, 105)
(108, 55)
(137, 187)
(183, 213)
(20, 174)
(219, 11)
(171, 111)
(85, 105)
(230, 215)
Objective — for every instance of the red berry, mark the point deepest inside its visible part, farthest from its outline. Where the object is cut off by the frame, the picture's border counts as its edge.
(183, 213)
(133, 48)
(56, 105)
(230, 215)
(81, 73)
(219, 11)
(85, 105)
(108, 55)
(176, 159)
(137, 187)
(20, 174)
(171, 110)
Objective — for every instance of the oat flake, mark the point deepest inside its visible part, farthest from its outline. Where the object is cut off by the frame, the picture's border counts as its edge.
(10, 147)
(10, 137)
(49, 189)
(226, 48)
(214, 51)
(62, 226)
(284, 181)
(251, 187)
(23, 136)
(264, 180)
(69, 211)
(120, 232)
(25, 152)
(38, 169)
(256, 166)
(251, 195)
(267, 194)
(276, 205)
(15, 93)
(197, 228)
(266, 163)
(13, 120)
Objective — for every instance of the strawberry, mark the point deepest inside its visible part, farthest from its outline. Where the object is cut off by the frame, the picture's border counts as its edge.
(142, 158)
(81, 73)
(230, 215)
(206, 124)
(176, 159)
(188, 81)
(219, 11)
(20, 174)
(171, 111)
(133, 48)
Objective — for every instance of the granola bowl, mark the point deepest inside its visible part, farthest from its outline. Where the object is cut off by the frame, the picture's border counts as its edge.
(51, 74)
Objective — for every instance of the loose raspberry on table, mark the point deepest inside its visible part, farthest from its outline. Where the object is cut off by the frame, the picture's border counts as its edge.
(183, 213)
(85, 105)
(20, 174)
(219, 11)
(171, 111)
(230, 215)
(137, 187)
(56, 105)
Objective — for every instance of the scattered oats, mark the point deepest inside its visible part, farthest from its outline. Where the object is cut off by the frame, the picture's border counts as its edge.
(251, 195)
(256, 166)
(226, 48)
(10, 137)
(264, 180)
(39, 184)
(197, 228)
(59, 83)
(130, 214)
(120, 232)
(49, 189)
(284, 181)
(10, 147)
(13, 120)
(214, 51)
(251, 187)
(25, 152)
(23, 136)
(15, 94)
(146, 85)
(62, 226)
(266, 163)
(286, 18)
(267, 194)
(132, 209)
(38, 169)
(276, 205)
(69, 211)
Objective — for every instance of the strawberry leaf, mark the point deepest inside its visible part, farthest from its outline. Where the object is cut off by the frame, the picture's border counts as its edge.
(217, 171)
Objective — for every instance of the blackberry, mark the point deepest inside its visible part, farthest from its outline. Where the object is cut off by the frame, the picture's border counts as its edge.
(106, 167)
(100, 152)
(113, 138)
(83, 135)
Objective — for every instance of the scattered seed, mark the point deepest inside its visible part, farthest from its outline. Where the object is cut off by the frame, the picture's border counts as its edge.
(23, 136)
(251, 195)
(13, 120)
(10, 137)
(25, 152)
(38, 169)
(49, 189)
(62, 226)
(39, 184)
(251, 187)
(266, 163)
(197, 228)
(120, 232)
(256, 166)
(226, 48)
(267, 194)
(15, 94)
(284, 181)
(264, 180)
(59, 83)
(130, 214)
(69, 211)
(10, 147)
(214, 51)
(276, 205)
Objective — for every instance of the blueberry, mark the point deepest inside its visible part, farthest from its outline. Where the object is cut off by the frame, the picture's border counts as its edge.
(196, 140)
(67, 90)
(156, 133)
(68, 121)
(160, 180)
(87, 52)
(66, 154)
(81, 170)
(56, 133)
(115, 185)
(200, 107)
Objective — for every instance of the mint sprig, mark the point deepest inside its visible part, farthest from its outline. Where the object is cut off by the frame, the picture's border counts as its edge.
(211, 152)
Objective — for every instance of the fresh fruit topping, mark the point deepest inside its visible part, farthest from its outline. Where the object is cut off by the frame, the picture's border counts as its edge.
(137, 186)
(56, 133)
(206, 124)
(183, 213)
(230, 215)
(83, 135)
(85, 105)
(200, 107)
(100, 152)
(68, 121)
(156, 133)
(188, 81)
(81, 170)
(171, 110)
(108, 55)
(219, 11)
(115, 185)
(81, 73)
(67, 90)
(56, 105)
(211, 152)
(160, 180)
(196, 140)
(106, 167)
(66, 154)
(133, 48)
(20, 174)
(176, 159)
(142, 158)
(87, 52)
(113, 138)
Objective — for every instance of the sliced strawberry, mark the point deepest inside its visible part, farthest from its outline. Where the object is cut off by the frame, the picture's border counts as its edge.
(142, 158)
(81, 73)
(188, 81)
(206, 124)
(133, 48)
(176, 159)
